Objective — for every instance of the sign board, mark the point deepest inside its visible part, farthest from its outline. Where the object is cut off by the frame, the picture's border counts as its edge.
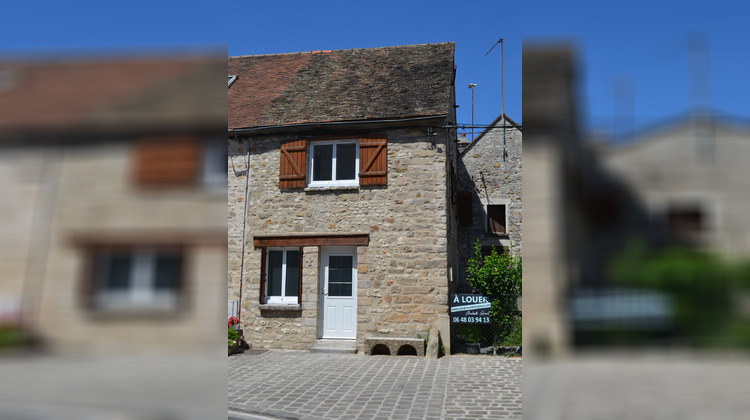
(232, 308)
(470, 309)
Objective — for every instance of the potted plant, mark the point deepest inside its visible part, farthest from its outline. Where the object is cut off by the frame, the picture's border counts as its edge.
(234, 323)
(234, 341)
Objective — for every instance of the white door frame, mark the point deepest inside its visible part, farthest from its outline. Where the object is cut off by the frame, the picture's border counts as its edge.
(343, 332)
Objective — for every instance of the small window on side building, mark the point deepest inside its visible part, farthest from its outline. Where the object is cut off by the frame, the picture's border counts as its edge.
(496, 223)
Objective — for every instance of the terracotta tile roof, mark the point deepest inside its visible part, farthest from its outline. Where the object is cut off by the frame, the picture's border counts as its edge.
(342, 85)
(60, 95)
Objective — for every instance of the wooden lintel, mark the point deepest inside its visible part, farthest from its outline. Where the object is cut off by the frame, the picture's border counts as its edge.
(336, 239)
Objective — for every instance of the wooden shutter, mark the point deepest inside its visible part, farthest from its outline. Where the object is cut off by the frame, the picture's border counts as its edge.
(373, 163)
(292, 169)
(262, 293)
(167, 162)
(465, 208)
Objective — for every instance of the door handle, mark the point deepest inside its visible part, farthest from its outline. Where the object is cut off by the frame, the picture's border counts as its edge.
(325, 292)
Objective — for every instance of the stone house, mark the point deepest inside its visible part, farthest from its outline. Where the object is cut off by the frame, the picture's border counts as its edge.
(341, 213)
(112, 183)
(489, 192)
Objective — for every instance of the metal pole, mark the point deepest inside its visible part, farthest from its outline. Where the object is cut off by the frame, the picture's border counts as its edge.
(471, 86)
(502, 98)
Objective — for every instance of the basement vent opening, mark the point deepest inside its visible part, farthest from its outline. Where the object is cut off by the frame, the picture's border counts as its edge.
(380, 349)
(407, 350)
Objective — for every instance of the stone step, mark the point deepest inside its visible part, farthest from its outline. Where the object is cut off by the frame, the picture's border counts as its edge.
(334, 346)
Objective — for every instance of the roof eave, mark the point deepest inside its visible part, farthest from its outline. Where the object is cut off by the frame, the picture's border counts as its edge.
(384, 123)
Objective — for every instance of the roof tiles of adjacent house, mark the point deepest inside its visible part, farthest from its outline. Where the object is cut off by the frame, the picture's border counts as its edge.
(366, 84)
(123, 94)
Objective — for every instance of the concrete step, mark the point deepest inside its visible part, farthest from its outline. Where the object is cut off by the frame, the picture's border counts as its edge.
(334, 346)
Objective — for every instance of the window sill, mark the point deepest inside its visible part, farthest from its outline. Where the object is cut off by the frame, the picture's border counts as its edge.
(280, 307)
(107, 314)
(332, 188)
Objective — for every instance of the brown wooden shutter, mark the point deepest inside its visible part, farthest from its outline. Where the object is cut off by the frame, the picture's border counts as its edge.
(262, 293)
(299, 272)
(167, 162)
(373, 161)
(292, 169)
(465, 208)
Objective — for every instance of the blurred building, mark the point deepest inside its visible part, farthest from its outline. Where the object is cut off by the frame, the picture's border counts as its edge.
(678, 185)
(691, 177)
(112, 200)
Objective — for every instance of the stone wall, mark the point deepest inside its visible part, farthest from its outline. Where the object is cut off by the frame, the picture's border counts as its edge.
(402, 273)
(491, 180)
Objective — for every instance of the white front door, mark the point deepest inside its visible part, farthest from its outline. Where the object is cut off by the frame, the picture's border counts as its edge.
(338, 273)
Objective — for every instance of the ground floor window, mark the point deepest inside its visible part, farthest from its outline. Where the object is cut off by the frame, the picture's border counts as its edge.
(283, 275)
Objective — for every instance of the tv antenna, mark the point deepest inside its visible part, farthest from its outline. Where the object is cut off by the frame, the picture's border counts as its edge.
(502, 107)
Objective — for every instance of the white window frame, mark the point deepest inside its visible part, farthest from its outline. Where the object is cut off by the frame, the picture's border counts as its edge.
(213, 173)
(285, 300)
(141, 293)
(487, 222)
(334, 182)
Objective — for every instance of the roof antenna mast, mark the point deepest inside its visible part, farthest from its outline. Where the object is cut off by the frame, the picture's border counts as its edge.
(502, 108)
(472, 86)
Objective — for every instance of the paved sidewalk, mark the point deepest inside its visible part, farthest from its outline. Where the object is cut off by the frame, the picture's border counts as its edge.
(301, 385)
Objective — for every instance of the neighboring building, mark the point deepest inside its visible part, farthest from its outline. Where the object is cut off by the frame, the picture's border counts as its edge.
(691, 177)
(112, 183)
(342, 220)
(489, 192)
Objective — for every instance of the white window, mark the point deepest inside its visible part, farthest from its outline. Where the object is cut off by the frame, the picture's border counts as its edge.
(282, 275)
(334, 163)
(214, 163)
(136, 279)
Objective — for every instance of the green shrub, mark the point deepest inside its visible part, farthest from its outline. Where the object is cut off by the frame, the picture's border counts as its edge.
(498, 276)
(699, 284)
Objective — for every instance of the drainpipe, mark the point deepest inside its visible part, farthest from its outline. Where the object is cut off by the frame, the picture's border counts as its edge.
(40, 237)
(244, 225)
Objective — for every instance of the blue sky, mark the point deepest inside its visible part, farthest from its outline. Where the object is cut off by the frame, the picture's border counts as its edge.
(634, 56)
(640, 49)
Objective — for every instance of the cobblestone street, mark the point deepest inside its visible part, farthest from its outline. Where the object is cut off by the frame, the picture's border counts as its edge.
(302, 385)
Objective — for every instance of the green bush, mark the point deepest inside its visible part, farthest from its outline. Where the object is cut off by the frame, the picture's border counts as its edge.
(12, 337)
(498, 276)
(699, 284)
(232, 334)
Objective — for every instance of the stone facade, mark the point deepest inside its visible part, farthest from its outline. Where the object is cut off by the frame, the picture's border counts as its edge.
(402, 274)
(390, 113)
(491, 180)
